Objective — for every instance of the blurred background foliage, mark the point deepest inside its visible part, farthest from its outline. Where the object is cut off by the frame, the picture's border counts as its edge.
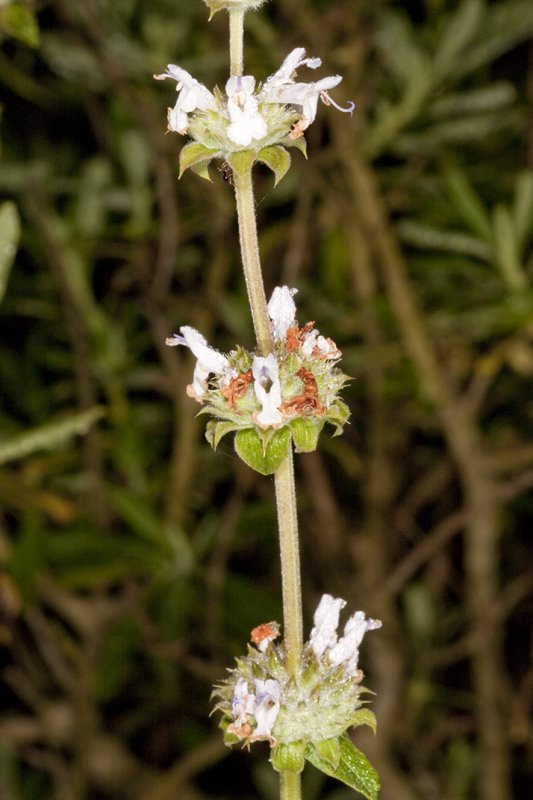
(133, 560)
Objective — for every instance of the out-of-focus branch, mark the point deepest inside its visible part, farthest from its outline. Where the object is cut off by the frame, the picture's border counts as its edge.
(463, 438)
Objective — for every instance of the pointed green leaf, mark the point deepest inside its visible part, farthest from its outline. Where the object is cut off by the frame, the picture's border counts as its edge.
(277, 159)
(215, 6)
(329, 750)
(50, 436)
(354, 768)
(241, 162)
(201, 169)
(468, 203)
(289, 757)
(363, 716)
(337, 415)
(19, 21)
(300, 144)
(428, 237)
(305, 433)
(192, 155)
(263, 458)
(504, 26)
(462, 26)
(523, 206)
(507, 250)
(216, 429)
(9, 237)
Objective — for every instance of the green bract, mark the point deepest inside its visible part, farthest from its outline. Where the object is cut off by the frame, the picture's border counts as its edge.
(309, 387)
(211, 142)
(268, 401)
(219, 5)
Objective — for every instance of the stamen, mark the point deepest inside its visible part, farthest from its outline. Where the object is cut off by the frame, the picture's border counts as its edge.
(326, 99)
(174, 340)
(239, 96)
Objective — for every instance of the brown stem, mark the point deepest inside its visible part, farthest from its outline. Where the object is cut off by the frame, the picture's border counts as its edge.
(464, 441)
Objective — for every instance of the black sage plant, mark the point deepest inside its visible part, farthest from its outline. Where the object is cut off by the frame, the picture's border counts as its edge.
(300, 697)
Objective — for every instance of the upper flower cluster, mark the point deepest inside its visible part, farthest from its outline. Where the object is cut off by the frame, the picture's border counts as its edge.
(243, 118)
(294, 387)
(260, 702)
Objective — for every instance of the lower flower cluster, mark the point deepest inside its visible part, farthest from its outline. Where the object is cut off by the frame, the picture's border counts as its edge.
(269, 400)
(305, 715)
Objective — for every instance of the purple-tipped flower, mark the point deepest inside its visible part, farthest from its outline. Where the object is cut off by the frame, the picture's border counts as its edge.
(243, 703)
(281, 88)
(267, 697)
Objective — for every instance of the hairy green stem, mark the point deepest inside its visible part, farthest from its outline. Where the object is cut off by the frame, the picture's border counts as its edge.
(290, 785)
(244, 196)
(236, 34)
(290, 563)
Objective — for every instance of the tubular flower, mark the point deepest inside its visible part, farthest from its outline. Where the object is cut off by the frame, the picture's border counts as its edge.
(209, 360)
(269, 400)
(282, 311)
(267, 390)
(324, 639)
(305, 710)
(246, 121)
(192, 96)
(267, 694)
(281, 88)
(326, 619)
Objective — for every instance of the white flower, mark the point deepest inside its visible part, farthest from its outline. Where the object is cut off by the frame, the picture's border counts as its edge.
(266, 707)
(209, 359)
(346, 651)
(246, 120)
(323, 637)
(326, 619)
(265, 371)
(281, 88)
(316, 344)
(285, 74)
(192, 95)
(282, 311)
(243, 703)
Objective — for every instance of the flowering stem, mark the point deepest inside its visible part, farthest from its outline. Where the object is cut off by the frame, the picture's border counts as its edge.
(290, 563)
(290, 786)
(244, 197)
(236, 34)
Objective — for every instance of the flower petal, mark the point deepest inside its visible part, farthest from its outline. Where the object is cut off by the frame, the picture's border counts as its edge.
(282, 311)
(347, 648)
(267, 706)
(326, 619)
(285, 74)
(267, 389)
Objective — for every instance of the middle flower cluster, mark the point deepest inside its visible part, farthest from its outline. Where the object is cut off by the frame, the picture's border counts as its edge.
(289, 393)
